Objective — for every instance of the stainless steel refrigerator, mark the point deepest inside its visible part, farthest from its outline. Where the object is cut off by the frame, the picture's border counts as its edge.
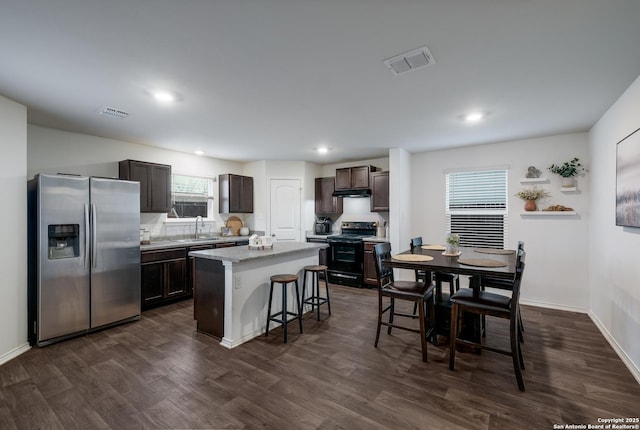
(84, 255)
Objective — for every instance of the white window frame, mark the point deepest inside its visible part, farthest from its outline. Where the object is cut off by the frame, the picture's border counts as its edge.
(211, 212)
(470, 183)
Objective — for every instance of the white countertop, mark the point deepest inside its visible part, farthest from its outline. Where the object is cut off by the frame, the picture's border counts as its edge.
(184, 243)
(243, 253)
(366, 239)
(318, 236)
(375, 239)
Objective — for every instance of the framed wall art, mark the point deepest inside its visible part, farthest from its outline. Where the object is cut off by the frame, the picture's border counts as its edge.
(628, 181)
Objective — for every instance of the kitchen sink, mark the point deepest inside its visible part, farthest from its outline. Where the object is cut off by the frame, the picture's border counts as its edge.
(200, 239)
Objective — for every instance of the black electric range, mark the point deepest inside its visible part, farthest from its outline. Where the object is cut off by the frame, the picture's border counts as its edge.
(345, 256)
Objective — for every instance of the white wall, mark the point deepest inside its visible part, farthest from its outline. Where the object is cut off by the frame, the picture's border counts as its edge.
(356, 209)
(13, 256)
(400, 222)
(258, 219)
(556, 274)
(614, 272)
(56, 151)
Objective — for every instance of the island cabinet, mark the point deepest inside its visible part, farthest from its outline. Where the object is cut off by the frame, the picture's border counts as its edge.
(155, 183)
(209, 297)
(163, 276)
(322, 252)
(231, 294)
(370, 275)
(191, 266)
(325, 203)
(235, 193)
(167, 275)
(379, 191)
(352, 178)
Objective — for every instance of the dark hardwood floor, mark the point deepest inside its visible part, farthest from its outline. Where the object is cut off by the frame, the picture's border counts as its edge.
(159, 373)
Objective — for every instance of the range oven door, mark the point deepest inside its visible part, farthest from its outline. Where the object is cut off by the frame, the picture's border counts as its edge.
(345, 262)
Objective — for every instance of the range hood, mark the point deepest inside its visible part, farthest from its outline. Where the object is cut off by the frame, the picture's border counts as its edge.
(361, 192)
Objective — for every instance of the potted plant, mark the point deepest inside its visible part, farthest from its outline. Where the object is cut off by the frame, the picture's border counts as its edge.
(530, 195)
(453, 242)
(568, 170)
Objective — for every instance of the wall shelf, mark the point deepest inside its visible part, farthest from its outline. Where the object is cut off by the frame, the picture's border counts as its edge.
(569, 189)
(547, 213)
(540, 180)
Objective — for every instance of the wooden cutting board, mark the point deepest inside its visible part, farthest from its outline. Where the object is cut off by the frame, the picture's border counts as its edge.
(235, 224)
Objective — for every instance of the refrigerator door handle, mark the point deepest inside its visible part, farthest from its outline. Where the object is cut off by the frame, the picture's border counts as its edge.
(87, 241)
(94, 241)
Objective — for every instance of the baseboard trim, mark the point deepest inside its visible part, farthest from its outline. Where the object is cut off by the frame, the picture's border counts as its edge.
(635, 371)
(554, 306)
(10, 355)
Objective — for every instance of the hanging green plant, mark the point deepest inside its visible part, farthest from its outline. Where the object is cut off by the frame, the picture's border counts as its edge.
(568, 169)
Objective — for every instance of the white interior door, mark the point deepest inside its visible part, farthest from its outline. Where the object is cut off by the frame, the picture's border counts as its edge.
(285, 211)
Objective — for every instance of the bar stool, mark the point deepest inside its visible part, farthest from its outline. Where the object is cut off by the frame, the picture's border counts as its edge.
(284, 280)
(315, 300)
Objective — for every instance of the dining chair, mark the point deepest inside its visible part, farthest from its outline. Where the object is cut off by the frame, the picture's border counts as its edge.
(421, 275)
(505, 284)
(418, 292)
(494, 305)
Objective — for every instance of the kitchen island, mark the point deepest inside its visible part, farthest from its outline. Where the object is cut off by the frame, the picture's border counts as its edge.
(231, 290)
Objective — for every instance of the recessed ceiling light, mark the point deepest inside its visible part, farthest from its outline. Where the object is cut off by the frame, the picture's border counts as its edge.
(164, 96)
(199, 152)
(473, 117)
(322, 150)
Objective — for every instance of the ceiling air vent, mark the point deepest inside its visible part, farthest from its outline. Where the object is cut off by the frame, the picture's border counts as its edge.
(410, 61)
(112, 112)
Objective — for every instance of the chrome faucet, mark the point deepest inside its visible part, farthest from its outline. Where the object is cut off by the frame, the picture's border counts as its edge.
(199, 218)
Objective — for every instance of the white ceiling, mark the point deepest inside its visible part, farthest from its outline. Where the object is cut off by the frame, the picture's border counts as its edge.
(273, 79)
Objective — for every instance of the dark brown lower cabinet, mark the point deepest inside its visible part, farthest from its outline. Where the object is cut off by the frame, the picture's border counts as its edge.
(208, 299)
(163, 276)
(322, 253)
(370, 275)
(208, 292)
(168, 275)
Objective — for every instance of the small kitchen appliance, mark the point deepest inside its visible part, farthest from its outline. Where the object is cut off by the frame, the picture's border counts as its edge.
(323, 225)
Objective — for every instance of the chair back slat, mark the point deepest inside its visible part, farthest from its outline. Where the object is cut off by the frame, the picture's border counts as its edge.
(381, 252)
(515, 292)
(521, 254)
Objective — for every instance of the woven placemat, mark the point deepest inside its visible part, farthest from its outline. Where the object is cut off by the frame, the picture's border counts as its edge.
(481, 262)
(412, 257)
(434, 247)
(494, 251)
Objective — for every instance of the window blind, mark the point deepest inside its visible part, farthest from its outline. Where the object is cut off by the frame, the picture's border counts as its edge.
(476, 207)
(190, 195)
(190, 185)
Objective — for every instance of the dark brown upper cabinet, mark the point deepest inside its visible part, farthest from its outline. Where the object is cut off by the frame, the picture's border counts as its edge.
(155, 183)
(325, 202)
(235, 193)
(353, 178)
(379, 191)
